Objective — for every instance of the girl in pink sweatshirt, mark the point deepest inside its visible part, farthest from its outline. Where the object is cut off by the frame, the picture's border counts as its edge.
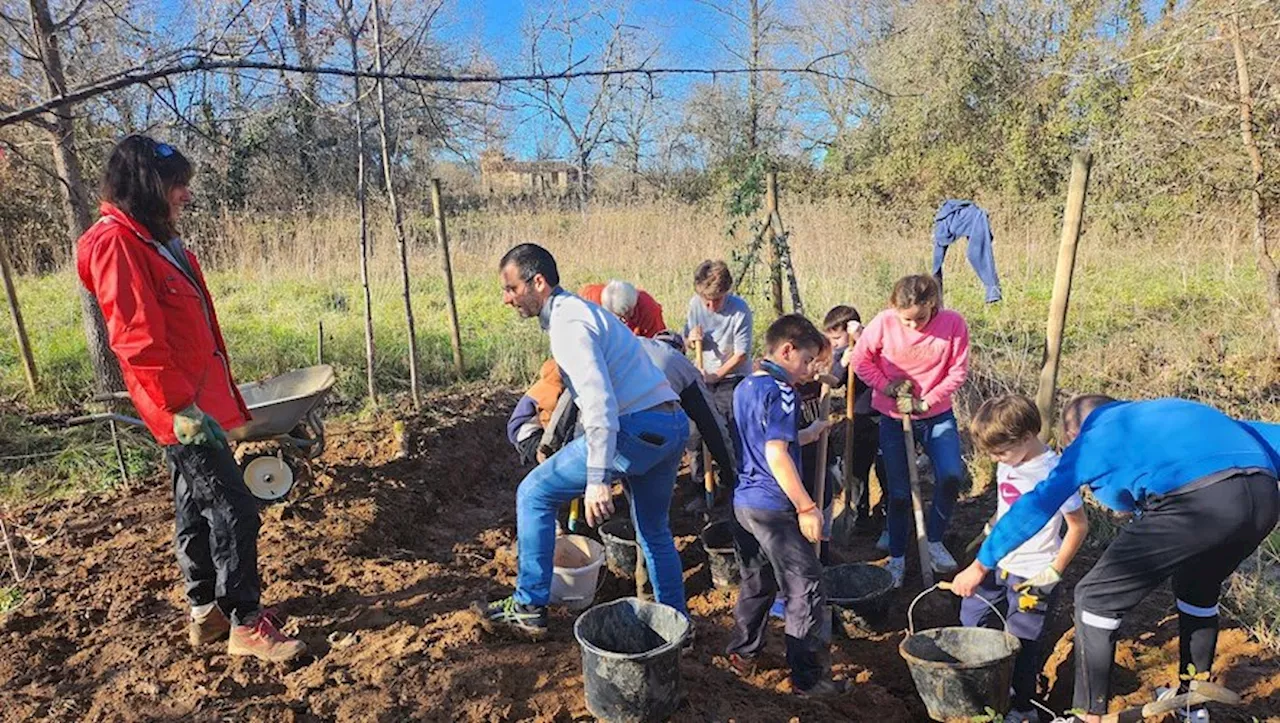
(915, 355)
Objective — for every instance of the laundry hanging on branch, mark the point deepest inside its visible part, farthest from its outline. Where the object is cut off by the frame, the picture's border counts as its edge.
(958, 219)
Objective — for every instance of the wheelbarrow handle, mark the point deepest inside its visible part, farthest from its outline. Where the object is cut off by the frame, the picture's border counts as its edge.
(944, 585)
(104, 417)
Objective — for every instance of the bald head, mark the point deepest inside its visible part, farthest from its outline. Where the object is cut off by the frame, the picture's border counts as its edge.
(1077, 410)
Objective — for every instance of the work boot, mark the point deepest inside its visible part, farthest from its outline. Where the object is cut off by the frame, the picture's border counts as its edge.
(897, 567)
(940, 559)
(261, 638)
(825, 689)
(210, 627)
(512, 618)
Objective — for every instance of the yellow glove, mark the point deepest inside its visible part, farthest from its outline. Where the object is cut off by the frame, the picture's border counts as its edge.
(193, 427)
(907, 404)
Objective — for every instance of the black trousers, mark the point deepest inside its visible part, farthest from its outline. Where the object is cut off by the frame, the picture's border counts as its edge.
(722, 397)
(1198, 538)
(216, 535)
(773, 555)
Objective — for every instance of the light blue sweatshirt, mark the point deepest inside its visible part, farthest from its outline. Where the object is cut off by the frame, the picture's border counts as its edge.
(606, 370)
(1128, 451)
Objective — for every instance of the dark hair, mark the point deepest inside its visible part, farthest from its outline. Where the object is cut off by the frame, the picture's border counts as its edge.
(140, 173)
(712, 278)
(1079, 407)
(839, 317)
(531, 260)
(796, 329)
(917, 290)
(1003, 421)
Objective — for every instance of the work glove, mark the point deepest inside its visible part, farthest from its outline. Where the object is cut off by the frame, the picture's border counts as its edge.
(898, 388)
(1043, 580)
(908, 404)
(193, 427)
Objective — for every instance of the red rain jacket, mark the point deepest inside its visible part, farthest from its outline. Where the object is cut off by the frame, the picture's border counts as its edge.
(160, 324)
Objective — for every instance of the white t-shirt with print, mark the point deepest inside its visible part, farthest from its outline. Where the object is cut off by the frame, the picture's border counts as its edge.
(1012, 483)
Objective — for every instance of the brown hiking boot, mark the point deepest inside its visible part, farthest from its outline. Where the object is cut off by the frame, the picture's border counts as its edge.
(208, 628)
(262, 639)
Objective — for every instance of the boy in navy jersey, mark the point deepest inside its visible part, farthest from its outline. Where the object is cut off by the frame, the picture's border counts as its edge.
(778, 522)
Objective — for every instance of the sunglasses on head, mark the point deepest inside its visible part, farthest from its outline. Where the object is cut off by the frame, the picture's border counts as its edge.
(164, 150)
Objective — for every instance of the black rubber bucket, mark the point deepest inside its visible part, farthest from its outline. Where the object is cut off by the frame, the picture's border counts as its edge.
(631, 660)
(860, 594)
(960, 672)
(717, 540)
(620, 548)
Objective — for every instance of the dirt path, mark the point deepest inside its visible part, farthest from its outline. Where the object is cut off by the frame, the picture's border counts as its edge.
(375, 562)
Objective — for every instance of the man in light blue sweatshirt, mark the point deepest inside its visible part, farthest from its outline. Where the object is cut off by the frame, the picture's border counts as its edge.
(633, 427)
(1203, 490)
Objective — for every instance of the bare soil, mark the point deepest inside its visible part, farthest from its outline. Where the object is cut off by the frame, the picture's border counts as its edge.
(374, 562)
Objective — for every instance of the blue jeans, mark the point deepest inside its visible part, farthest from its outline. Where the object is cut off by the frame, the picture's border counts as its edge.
(942, 443)
(650, 471)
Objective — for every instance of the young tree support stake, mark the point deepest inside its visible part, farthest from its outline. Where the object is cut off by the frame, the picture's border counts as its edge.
(708, 482)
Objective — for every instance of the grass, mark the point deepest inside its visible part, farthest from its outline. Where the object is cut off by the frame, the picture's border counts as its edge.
(10, 598)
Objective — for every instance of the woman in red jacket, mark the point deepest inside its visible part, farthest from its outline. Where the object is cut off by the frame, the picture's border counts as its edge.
(162, 327)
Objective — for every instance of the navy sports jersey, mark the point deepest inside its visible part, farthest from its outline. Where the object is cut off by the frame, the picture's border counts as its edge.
(764, 409)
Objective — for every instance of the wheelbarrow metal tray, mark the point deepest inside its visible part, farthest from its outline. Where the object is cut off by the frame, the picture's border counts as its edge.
(278, 404)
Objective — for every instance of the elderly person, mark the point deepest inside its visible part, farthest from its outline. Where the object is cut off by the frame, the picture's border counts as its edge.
(1203, 487)
(638, 310)
(633, 427)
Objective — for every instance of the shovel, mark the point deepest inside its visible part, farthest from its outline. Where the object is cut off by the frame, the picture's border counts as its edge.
(708, 481)
(922, 539)
(1200, 692)
(820, 494)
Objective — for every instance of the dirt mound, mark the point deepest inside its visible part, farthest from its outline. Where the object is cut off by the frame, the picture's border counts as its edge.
(374, 562)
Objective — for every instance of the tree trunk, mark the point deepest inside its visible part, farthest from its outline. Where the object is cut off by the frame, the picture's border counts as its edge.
(304, 114)
(753, 82)
(75, 201)
(369, 348)
(388, 178)
(1261, 212)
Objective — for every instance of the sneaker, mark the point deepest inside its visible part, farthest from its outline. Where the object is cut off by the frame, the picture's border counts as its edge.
(825, 689)
(208, 628)
(508, 616)
(742, 665)
(261, 638)
(779, 609)
(897, 567)
(1195, 715)
(1030, 715)
(882, 544)
(940, 558)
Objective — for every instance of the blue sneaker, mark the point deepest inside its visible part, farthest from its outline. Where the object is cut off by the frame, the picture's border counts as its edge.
(779, 609)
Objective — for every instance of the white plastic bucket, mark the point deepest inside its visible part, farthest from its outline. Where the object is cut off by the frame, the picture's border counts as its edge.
(577, 570)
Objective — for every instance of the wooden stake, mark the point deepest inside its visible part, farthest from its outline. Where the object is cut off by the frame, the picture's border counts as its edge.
(917, 503)
(397, 218)
(353, 38)
(708, 480)
(451, 303)
(320, 341)
(824, 440)
(1071, 222)
(775, 261)
(19, 328)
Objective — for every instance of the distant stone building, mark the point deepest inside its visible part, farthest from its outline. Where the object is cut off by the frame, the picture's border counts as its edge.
(504, 176)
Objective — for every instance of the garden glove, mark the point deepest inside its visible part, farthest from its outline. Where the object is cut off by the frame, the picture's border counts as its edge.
(1044, 580)
(898, 388)
(908, 404)
(193, 427)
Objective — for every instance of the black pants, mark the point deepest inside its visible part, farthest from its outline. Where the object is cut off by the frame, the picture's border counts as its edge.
(216, 534)
(866, 452)
(773, 555)
(722, 397)
(1198, 538)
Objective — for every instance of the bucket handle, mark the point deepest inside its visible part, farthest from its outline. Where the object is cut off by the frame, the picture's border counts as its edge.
(911, 625)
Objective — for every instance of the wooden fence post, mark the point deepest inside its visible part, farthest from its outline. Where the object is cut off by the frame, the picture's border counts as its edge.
(451, 303)
(775, 259)
(20, 329)
(1072, 217)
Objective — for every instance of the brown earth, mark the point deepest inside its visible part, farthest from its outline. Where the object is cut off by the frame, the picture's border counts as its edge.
(375, 561)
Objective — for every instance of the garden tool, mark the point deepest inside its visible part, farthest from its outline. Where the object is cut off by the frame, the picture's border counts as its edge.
(820, 493)
(917, 508)
(708, 481)
(1199, 692)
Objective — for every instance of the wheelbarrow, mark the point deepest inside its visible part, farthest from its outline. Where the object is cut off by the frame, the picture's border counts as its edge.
(285, 428)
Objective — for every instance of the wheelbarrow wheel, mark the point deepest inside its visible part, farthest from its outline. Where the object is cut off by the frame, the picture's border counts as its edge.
(269, 477)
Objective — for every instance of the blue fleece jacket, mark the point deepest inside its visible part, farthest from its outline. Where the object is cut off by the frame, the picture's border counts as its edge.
(1128, 451)
(964, 219)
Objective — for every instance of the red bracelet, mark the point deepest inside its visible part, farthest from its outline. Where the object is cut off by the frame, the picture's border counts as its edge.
(809, 509)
